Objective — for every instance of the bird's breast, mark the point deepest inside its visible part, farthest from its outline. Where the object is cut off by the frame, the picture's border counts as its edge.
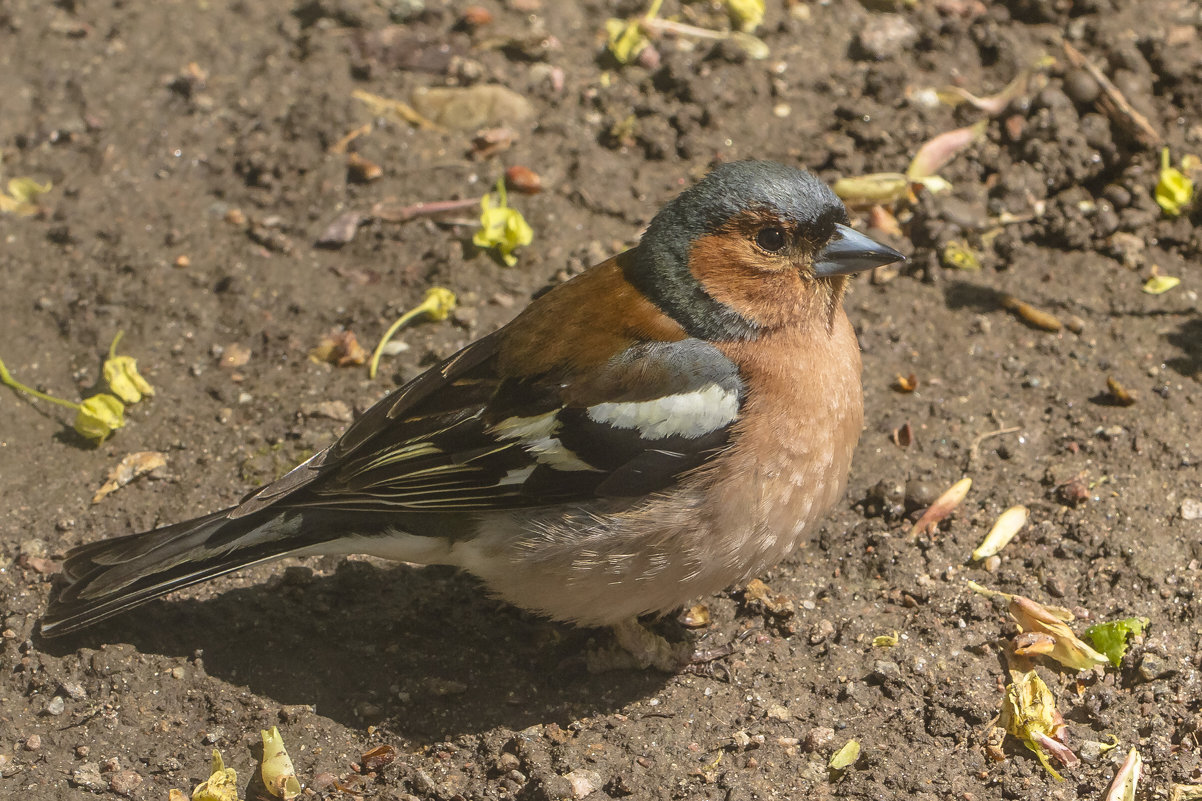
(792, 449)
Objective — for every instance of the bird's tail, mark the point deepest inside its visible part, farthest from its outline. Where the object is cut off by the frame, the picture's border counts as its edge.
(110, 576)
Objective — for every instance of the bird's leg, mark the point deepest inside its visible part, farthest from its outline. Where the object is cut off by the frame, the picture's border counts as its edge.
(639, 647)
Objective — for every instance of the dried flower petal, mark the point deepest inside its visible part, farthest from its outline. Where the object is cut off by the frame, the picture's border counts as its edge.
(1121, 395)
(1126, 779)
(1007, 525)
(133, 465)
(378, 757)
(880, 187)
(1029, 713)
(1069, 650)
(1031, 315)
(942, 507)
(939, 151)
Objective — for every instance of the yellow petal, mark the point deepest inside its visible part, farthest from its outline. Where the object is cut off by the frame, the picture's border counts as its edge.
(22, 196)
(99, 416)
(279, 777)
(1174, 189)
(439, 303)
(748, 14)
(625, 39)
(121, 373)
(222, 784)
(1159, 284)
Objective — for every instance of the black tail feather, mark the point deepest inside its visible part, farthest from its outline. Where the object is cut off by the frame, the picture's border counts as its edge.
(111, 576)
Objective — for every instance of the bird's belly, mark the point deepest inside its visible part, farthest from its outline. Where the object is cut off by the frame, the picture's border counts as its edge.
(600, 567)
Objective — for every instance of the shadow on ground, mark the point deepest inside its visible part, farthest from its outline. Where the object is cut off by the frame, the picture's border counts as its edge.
(421, 649)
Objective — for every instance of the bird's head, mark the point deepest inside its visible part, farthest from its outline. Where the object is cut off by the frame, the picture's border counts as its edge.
(754, 246)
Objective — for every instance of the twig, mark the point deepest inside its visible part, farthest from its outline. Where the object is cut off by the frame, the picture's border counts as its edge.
(387, 213)
(976, 443)
(1114, 104)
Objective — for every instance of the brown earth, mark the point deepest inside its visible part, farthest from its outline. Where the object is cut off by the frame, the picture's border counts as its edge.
(188, 146)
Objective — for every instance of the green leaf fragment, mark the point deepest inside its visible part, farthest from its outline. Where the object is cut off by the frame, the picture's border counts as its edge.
(845, 757)
(1111, 638)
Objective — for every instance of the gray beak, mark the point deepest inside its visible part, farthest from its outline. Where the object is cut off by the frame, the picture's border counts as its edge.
(850, 252)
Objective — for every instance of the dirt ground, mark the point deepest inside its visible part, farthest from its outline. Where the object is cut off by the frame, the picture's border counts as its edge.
(189, 147)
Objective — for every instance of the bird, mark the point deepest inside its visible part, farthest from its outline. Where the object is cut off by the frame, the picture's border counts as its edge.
(669, 423)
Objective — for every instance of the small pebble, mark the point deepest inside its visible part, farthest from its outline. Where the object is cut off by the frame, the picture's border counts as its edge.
(55, 706)
(88, 777)
(884, 670)
(125, 782)
(322, 781)
(74, 690)
(1152, 667)
(817, 737)
(778, 712)
(1191, 509)
(821, 631)
(887, 35)
(1081, 88)
(33, 742)
(583, 782)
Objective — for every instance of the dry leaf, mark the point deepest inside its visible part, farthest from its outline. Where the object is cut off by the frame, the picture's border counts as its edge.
(133, 465)
(341, 348)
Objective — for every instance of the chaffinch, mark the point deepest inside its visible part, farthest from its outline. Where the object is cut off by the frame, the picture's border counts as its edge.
(669, 423)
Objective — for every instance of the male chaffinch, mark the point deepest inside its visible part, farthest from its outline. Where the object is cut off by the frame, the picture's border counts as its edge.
(671, 422)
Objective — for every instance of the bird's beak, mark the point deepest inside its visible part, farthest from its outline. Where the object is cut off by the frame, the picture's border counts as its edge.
(850, 252)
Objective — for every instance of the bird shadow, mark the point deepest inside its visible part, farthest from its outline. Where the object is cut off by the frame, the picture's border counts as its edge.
(1188, 337)
(420, 650)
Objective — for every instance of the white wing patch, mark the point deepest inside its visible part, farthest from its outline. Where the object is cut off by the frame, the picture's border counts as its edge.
(536, 435)
(688, 414)
(526, 428)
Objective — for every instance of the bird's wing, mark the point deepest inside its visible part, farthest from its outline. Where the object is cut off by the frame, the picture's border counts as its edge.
(466, 437)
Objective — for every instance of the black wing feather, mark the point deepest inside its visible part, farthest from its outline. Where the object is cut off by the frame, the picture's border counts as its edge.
(439, 444)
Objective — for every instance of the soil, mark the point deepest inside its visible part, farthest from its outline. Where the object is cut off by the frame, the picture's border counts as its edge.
(189, 148)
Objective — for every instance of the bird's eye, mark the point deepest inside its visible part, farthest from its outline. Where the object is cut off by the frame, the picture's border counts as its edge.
(771, 239)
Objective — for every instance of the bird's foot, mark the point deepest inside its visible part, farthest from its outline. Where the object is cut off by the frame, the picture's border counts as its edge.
(639, 648)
